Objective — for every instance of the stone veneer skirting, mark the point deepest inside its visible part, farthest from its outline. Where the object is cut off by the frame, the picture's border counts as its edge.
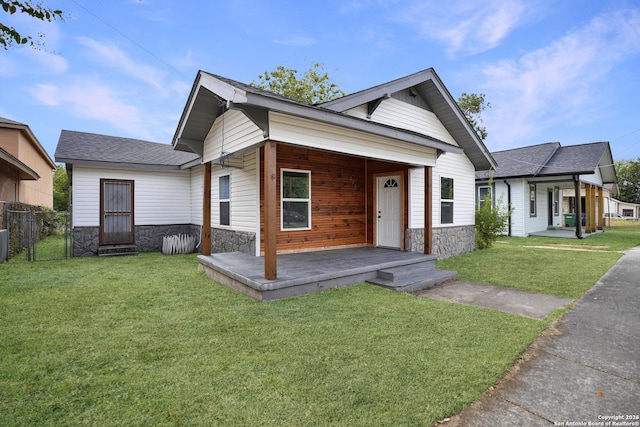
(447, 241)
(232, 241)
(148, 237)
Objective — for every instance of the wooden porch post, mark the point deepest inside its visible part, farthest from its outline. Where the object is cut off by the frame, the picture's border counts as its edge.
(428, 210)
(600, 217)
(206, 210)
(592, 208)
(270, 202)
(587, 208)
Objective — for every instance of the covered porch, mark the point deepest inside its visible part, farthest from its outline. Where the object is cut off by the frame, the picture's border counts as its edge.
(306, 272)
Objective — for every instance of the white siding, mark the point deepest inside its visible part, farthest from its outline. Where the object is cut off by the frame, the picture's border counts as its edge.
(456, 166)
(402, 115)
(160, 197)
(593, 179)
(239, 134)
(244, 197)
(312, 134)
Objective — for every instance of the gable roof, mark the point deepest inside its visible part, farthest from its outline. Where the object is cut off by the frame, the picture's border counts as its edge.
(101, 150)
(429, 87)
(211, 95)
(12, 124)
(551, 159)
(8, 162)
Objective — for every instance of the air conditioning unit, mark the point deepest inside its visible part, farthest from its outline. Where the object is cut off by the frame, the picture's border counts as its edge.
(4, 245)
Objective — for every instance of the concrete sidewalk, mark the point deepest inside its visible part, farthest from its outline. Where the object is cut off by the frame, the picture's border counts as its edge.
(582, 371)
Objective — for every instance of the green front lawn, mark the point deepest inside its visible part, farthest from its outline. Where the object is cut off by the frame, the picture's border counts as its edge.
(149, 340)
(563, 267)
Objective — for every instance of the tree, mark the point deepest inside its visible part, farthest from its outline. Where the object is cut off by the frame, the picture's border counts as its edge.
(628, 172)
(472, 105)
(10, 36)
(491, 220)
(312, 87)
(60, 189)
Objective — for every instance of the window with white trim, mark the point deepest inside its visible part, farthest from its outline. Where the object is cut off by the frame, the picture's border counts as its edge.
(556, 201)
(483, 193)
(295, 199)
(532, 200)
(224, 198)
(446, 200)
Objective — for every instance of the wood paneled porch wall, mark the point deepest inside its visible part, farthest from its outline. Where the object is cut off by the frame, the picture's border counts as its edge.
(342, 198)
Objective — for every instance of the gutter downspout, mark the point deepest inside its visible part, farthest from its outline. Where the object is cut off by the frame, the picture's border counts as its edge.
(578, 195)
(508, 203)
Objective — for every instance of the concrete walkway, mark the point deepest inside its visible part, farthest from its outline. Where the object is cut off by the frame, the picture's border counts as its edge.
(585, 370)
(514, 301)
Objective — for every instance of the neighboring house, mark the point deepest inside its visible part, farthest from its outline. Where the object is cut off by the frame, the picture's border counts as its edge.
(26, 170)
(616, 209)
(542, 182)
(391, 166)
(125, 192)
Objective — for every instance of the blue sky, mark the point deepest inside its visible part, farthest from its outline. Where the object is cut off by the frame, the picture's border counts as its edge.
(566, 70)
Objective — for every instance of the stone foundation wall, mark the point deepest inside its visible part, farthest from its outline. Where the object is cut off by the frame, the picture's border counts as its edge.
(84, 241)
(148, 237)
(447, 242)
(232, 241)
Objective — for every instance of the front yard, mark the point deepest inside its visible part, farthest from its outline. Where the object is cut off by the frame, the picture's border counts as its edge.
(148, 340)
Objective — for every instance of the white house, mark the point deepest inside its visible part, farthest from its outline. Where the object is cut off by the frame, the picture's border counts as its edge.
(392, 166)
(541, 184)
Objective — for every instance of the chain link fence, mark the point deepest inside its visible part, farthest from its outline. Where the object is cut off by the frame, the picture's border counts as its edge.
(41, 235)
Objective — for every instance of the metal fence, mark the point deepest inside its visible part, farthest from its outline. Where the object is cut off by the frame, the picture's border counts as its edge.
(40, 235)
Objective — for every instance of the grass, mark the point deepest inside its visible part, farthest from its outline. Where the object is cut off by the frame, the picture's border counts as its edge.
(149, 340)
(537, 264)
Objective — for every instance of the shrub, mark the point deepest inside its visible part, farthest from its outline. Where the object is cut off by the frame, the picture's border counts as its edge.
(491, 220)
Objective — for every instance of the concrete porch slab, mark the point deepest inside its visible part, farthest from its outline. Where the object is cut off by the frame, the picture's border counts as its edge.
(305, 272)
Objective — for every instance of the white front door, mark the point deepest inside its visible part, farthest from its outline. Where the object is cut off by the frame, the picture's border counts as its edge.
(389, 201)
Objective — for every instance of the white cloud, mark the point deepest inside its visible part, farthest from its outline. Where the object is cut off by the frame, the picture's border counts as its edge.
(559, 82)
(296, 41)
(87, 99)
(111, 55)
(466, 27)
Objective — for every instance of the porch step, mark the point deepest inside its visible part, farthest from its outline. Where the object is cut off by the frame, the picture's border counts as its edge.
(412, 277)
(117, 250)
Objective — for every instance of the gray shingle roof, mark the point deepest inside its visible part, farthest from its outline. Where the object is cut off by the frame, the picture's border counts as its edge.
(551, 159)
(83, 147)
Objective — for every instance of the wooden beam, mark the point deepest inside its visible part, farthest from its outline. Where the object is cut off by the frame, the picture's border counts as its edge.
(428, 210)
(206, 210)
(592, 208)
(600, 216)
(587, 208)
(270, 204)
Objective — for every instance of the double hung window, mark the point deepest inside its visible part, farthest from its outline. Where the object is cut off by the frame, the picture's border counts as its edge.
(446, 200)
(295, 199)
(224, 200)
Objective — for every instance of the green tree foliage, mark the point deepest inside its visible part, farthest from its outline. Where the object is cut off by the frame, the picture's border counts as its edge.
(60, 189)
(472, 105)
(312, 87)
(10, 35)
(628, 172)
(491, 220)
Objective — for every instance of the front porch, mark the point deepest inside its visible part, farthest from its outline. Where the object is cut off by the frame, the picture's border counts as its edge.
(307, 272)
